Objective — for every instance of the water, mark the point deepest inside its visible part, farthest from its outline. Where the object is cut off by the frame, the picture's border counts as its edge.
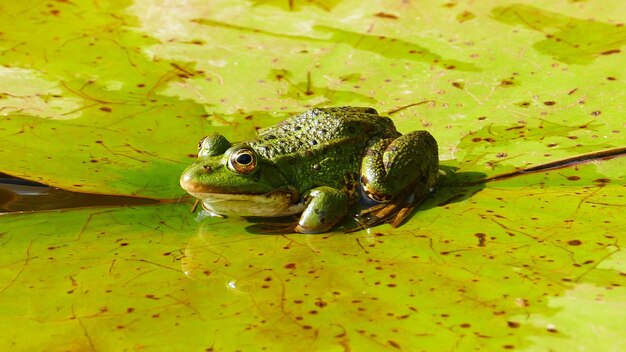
(19, 195)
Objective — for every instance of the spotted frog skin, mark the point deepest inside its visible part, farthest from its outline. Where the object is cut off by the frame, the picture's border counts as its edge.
(315, 164)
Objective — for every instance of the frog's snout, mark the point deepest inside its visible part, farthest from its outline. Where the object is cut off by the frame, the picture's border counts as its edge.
(188, 181)
(190, 178)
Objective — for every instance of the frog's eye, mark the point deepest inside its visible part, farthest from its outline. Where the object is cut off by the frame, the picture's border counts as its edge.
(212, 145)
(242, 161)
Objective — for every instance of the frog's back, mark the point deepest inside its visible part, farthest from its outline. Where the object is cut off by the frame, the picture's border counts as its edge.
(323, 128)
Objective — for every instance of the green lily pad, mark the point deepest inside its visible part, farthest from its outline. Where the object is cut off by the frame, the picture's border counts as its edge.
(526, 263)
(111, 98)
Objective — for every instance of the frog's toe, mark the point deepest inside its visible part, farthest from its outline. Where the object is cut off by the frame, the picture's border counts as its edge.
(382, 213)
(395, 211)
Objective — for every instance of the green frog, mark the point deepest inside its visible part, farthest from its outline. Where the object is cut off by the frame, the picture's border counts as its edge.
(317, 164)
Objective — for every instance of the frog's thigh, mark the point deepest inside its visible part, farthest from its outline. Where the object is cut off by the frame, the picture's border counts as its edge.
(391, 165)
(326, 206)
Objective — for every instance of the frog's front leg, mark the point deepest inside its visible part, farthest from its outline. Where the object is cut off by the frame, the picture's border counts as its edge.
(407, 164)
(326, 206)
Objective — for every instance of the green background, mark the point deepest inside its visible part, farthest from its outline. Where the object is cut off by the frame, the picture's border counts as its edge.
(112, 97)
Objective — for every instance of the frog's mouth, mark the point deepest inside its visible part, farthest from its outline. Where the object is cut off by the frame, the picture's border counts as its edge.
(282, 202)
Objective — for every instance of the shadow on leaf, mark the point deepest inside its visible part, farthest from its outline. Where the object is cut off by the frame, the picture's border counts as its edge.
(453, 187)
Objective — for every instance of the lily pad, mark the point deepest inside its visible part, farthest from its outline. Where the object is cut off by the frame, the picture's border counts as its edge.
(519, 248)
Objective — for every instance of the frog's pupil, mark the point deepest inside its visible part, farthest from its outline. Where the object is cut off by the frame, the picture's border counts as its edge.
(244, 159)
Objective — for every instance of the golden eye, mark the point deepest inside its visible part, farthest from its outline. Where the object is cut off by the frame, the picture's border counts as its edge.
(242, 161)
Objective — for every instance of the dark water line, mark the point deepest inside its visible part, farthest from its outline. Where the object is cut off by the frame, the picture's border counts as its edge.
(19, 195)
(557, 164)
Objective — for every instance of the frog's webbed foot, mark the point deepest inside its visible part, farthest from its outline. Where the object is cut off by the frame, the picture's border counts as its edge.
(393, 212)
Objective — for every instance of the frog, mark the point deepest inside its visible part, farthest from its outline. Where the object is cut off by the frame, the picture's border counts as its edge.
(315, 166)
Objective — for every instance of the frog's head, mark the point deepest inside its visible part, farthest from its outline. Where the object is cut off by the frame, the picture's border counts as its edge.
(234, 180)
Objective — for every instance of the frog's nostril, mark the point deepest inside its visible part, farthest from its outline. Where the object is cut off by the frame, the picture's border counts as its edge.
(207, 168)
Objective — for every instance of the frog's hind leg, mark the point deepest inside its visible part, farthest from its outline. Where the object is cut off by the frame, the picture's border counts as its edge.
(399, 173)
(391, 166)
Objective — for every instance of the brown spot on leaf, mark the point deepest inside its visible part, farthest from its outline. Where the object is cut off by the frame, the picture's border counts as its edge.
(321, 303)
(105, 109)
(574, 242)
(465, 16)
(512, 324)
(610, 52)
(514, 128)
(386, 15)
(394, 344)
(481, 239)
